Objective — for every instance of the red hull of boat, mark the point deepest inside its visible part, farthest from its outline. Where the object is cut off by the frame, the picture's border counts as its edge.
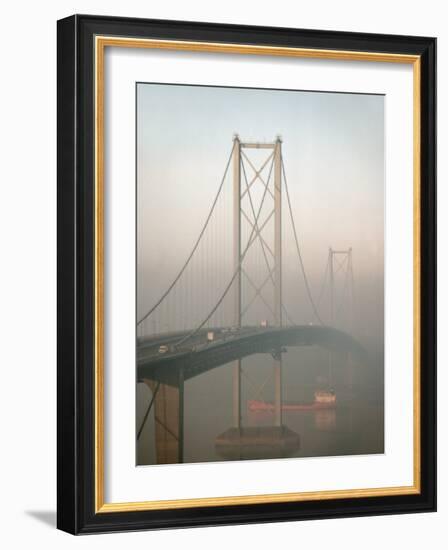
(263, 406)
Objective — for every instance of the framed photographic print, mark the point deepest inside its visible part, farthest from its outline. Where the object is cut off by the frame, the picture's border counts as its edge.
(246, 274)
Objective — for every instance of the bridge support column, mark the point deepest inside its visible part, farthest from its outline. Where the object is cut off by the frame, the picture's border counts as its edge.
(278, 275)
(169, 421)
(278, 391)
(330, 353)
(350, 369)
(237, 282)
(237, 394)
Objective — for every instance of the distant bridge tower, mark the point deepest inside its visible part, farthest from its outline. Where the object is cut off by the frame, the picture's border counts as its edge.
(341, 261)
(273, 195)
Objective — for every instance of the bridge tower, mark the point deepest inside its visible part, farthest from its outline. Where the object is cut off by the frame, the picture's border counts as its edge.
(341, 261)
(274, 153)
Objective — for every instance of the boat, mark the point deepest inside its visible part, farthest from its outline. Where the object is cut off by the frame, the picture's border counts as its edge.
(322, 400)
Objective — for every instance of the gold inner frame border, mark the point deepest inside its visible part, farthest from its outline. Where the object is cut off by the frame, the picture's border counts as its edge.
(100, 44)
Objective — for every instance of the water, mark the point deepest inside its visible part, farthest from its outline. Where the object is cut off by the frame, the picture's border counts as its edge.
(355, 426)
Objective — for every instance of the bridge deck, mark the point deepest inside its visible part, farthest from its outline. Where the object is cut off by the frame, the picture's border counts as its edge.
(200, 355)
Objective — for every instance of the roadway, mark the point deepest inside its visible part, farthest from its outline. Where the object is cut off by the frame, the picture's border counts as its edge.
(198, 355)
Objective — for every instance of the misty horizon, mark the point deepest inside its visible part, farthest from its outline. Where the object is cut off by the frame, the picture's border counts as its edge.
(333, 151)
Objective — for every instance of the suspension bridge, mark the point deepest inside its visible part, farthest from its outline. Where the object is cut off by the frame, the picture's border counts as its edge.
(227, 299)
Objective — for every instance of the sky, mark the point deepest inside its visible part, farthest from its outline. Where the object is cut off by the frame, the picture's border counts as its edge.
(333, 151)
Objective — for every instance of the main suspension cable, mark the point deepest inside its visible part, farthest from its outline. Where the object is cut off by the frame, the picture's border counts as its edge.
(305, 278)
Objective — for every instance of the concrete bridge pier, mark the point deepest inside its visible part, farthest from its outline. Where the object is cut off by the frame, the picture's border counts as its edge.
(278, 390)
(236, 382)
(169, 420)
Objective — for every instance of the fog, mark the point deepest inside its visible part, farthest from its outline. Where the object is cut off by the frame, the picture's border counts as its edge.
(333, 153)
(333, 150)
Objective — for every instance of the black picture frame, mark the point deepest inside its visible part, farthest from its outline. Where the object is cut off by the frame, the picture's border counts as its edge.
(76, 275)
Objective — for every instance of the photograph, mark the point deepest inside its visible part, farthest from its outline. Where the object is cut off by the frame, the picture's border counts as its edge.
(259, 273)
